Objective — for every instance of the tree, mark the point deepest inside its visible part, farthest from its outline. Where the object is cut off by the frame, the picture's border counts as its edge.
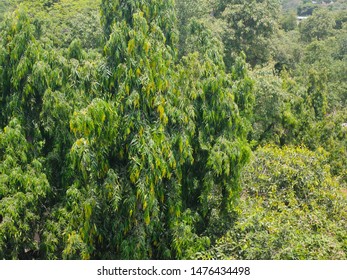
(316, 94)
(293, 209)
(145, 176)
(289, 21)
(330, 134)
(24, 76)
(222, 106)
(277, 110)
(290, 4)
(131, 173)
(317, 27)
(307, 8)
(59, 22)
(286, 51)
(5, 6)
(250, 26)
(24, 190)
(128, 138)
(199, 11)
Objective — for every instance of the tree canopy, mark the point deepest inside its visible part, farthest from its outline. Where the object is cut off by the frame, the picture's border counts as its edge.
(157, 129)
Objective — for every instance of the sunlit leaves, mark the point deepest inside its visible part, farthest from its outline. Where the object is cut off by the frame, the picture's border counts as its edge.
(98, 123)
(291, 208)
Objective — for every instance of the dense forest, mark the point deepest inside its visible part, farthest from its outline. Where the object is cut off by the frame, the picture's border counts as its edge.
(162, 129)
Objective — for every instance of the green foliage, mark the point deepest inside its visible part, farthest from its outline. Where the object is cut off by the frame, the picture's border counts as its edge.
(307, 9)
(159, 13)
(191, 11)
(277, 109)
(290, 4)
(62, 21)
(288, 21)
(291, 208)
(23, 192)
(201, 40)
(89, 157)
(317, 27)
(243, 26)
(125, 127)
(5, 7)
(316, 94)
(322, 70)
(146, 175)
(218, 148)
(287, 50)
(23, 73)
(330, 133)
(250, 26)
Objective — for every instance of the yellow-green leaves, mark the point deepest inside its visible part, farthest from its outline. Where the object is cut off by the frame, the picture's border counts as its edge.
(98, 119)
(96, 128)
(292, 205)
(131, 46)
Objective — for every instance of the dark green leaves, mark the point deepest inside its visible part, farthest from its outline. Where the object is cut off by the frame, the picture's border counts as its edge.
(23, 192)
